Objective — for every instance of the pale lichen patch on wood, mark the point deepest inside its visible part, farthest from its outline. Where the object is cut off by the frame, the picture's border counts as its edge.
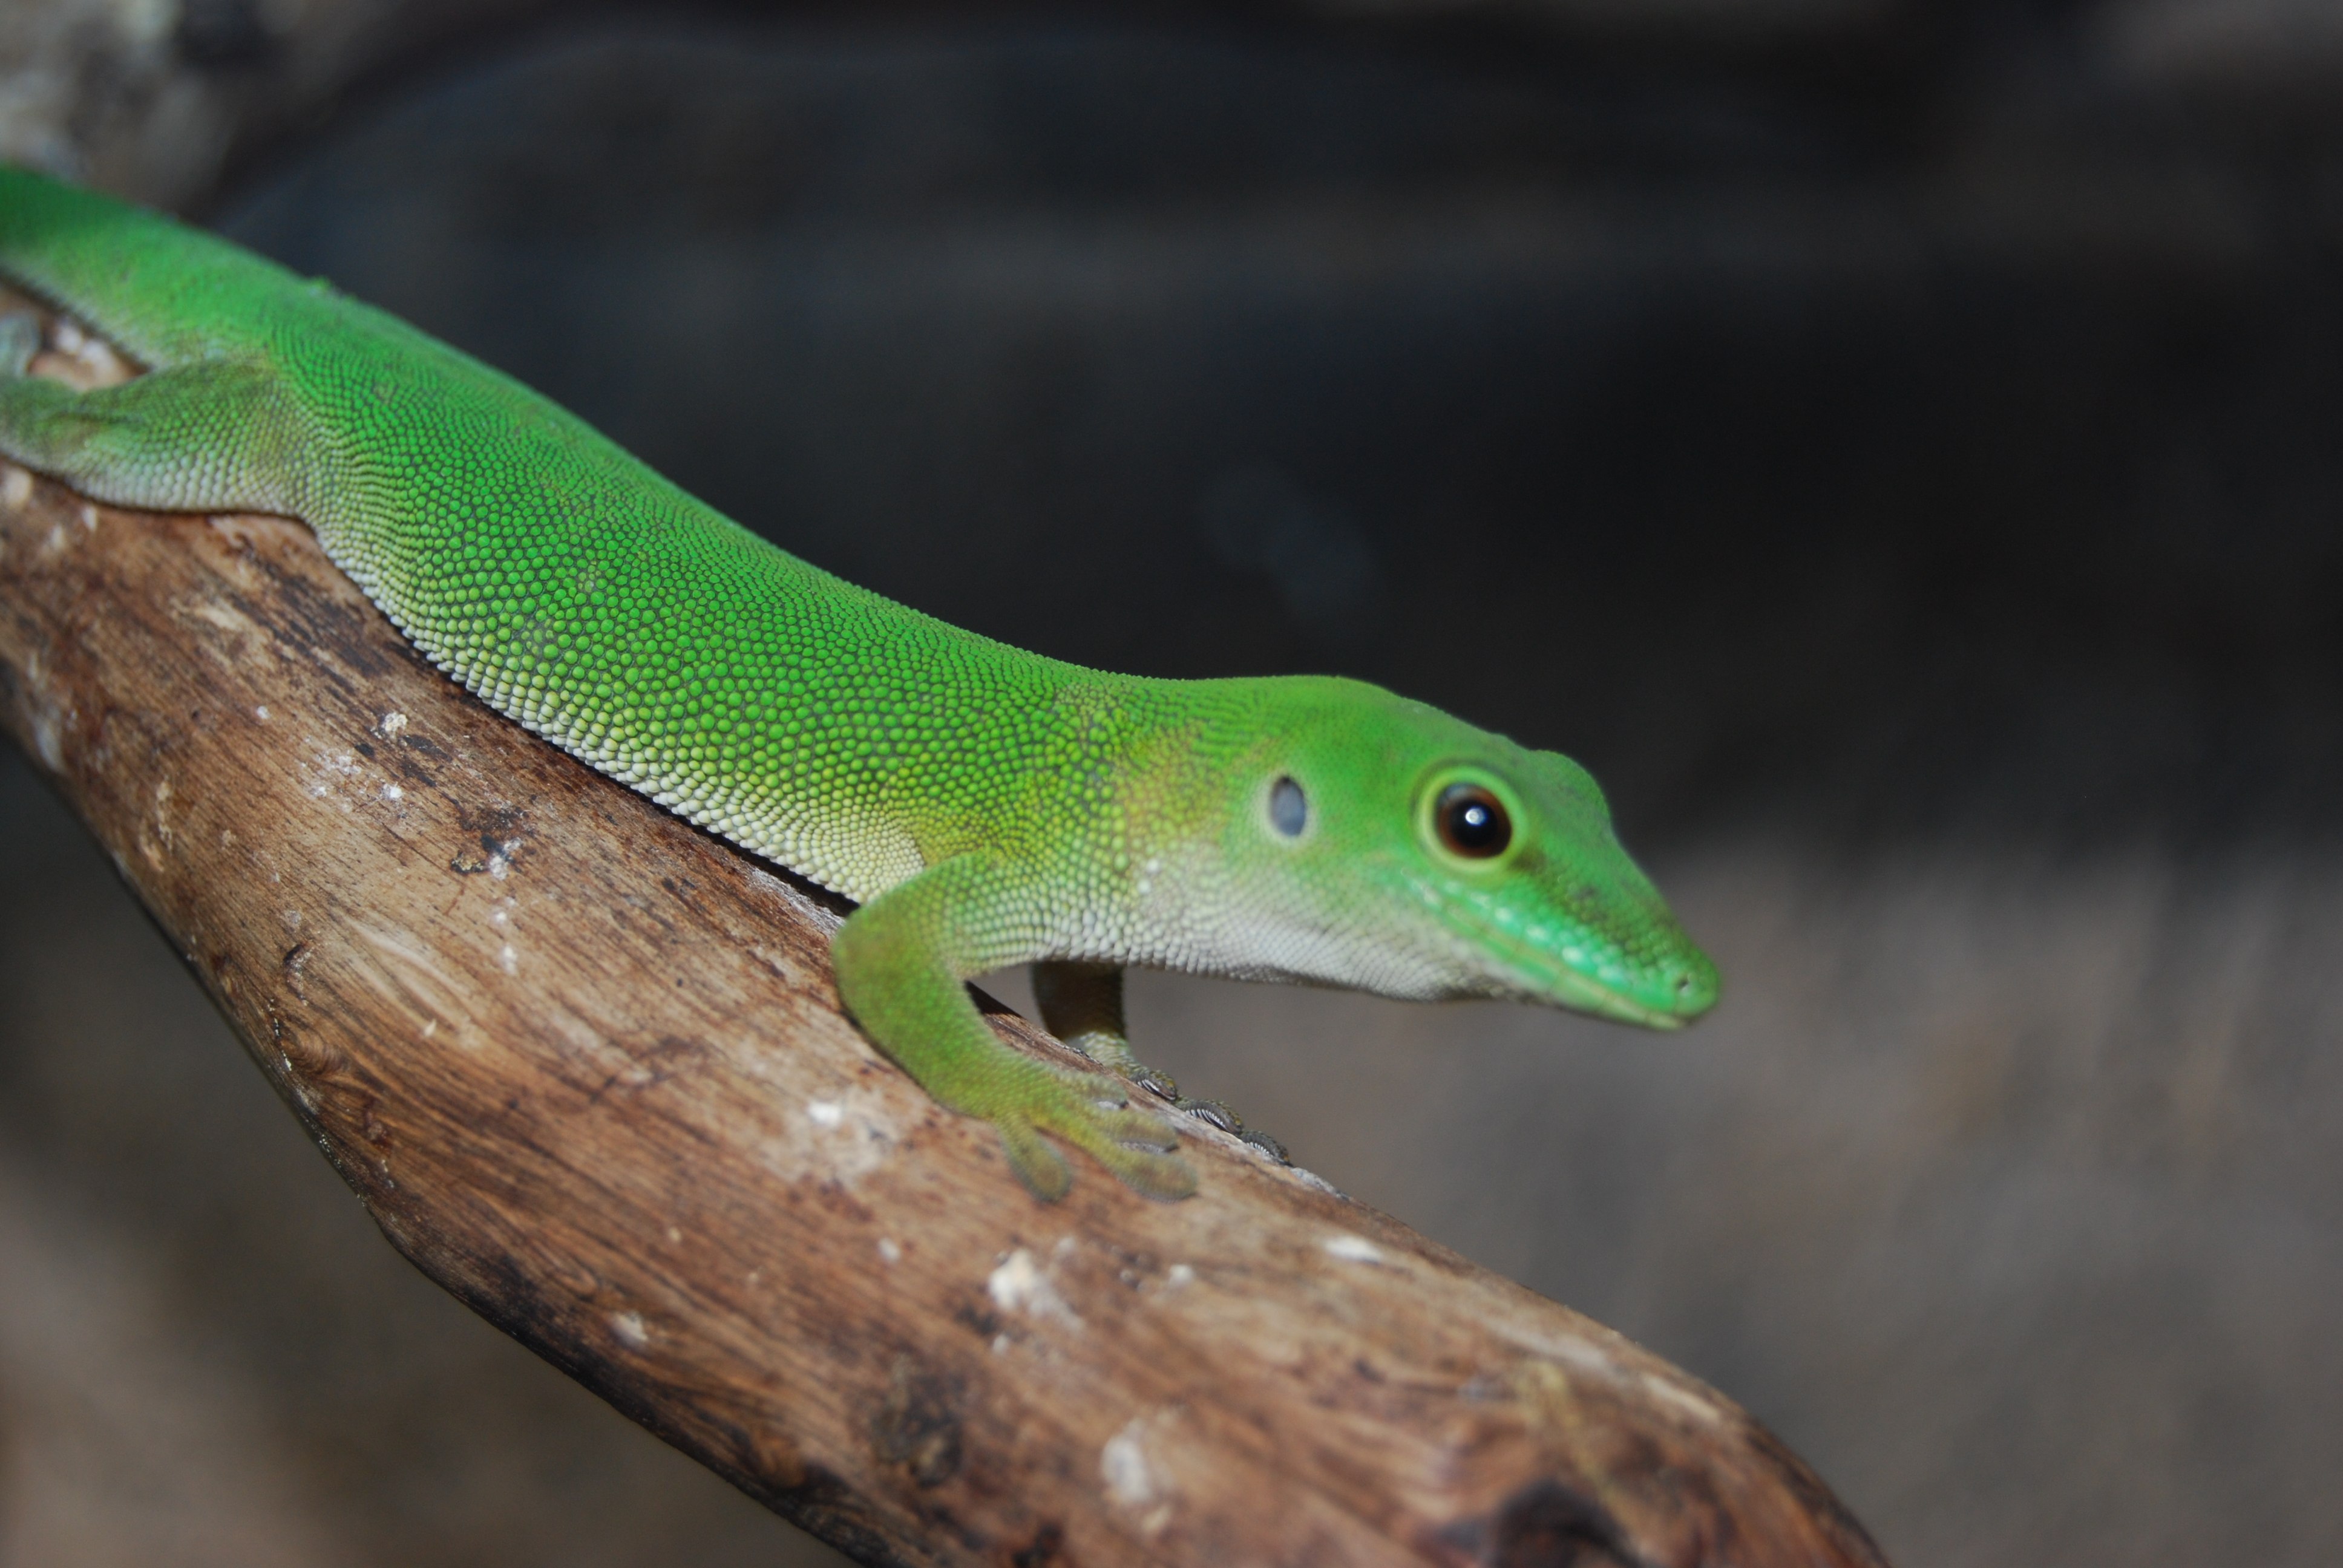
(840, 1137)
(1353, 1249)
(155, 830)
(1133, 1476)
(1017, 1284)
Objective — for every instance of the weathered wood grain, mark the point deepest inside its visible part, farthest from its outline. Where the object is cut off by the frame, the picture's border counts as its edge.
(585, 1068)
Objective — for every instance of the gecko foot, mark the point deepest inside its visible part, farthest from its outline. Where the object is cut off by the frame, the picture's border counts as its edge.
(1109, 1048)
(1159, 1084)
(1215, 1112)
(1088, 1110)
(1220, 1116)
(1267, 1145)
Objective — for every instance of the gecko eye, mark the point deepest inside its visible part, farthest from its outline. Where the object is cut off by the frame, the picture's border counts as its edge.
(1472, 822)
(1289, 808)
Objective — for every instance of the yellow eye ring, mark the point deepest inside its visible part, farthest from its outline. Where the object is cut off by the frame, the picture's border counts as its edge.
(1470, 818)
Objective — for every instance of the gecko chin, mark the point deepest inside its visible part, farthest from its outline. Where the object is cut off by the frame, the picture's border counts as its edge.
(1670, 1005)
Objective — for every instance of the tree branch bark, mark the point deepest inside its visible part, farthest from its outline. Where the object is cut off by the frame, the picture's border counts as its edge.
(585, 1068)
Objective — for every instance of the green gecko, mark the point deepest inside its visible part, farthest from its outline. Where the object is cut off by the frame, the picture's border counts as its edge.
(983, 806)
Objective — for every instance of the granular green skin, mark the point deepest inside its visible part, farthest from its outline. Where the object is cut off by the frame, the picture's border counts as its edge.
(985, 805)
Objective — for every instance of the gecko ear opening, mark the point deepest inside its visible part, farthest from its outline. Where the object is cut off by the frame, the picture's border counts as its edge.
(1289, 808)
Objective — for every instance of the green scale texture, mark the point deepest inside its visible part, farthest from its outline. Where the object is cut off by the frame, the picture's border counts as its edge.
(987, 806)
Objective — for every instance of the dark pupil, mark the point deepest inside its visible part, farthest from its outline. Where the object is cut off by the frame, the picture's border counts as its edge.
(1472, 822)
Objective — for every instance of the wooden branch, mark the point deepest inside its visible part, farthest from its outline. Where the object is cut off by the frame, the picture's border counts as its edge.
(585, 1066)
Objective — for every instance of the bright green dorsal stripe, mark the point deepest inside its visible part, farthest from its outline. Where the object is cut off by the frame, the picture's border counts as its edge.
(987, 805)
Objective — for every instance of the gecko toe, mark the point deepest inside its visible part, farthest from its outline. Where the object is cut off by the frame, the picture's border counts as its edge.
(1159, 1084)
(1137, 1129)
(1040, 1168)
(1267, 1145)
(1214, 1112)
(1228, 1121)
(1163, 1177)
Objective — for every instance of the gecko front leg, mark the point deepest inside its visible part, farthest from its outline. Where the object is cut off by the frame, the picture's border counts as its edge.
(903, 961)
(1081, 1004)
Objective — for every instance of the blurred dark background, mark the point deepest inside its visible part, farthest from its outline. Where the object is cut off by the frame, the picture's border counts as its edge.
(1895, 445)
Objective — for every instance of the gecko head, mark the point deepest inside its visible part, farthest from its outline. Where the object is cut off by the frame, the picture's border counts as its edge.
(1390, 847)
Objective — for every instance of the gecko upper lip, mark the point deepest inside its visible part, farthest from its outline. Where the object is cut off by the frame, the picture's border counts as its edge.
(1541, 974)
